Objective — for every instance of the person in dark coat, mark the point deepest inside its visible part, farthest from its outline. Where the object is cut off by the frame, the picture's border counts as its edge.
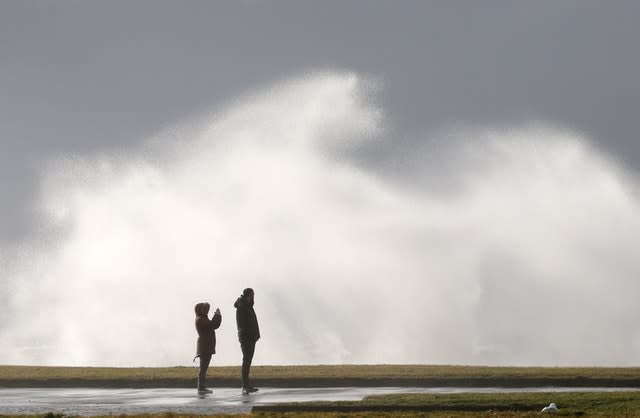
(206, 346)
(248, 334)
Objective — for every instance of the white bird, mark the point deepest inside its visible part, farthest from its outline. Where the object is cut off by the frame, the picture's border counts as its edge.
(551, 408)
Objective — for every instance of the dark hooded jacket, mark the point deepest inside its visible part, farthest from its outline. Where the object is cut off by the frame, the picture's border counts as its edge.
(206, 329)
(248, 330)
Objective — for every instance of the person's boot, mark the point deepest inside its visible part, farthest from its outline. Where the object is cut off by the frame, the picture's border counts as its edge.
(202, 390)
(248, 389)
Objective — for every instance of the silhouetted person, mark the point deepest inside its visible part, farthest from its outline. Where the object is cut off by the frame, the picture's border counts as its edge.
(248, 334)
(206, 341)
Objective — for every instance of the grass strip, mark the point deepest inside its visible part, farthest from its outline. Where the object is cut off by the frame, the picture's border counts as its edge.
(522, 404)
(321, 376)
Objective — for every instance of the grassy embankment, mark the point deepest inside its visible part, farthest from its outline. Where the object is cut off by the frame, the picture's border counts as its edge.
(612, 404)
(321, 376)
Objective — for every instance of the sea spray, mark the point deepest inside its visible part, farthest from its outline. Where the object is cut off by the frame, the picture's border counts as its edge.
(526, 257)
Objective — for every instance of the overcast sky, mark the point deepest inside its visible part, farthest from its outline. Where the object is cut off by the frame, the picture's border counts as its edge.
(79, 76)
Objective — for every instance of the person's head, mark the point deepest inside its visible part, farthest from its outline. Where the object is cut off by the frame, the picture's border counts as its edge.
(202, 308)
(248, 294)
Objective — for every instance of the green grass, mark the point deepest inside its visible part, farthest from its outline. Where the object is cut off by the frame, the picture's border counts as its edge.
(502, 404)
(320, 371)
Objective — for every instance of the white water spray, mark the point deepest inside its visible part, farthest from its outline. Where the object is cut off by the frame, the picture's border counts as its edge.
(526, 259)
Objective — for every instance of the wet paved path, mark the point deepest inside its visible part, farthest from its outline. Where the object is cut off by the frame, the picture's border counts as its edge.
(88, 402)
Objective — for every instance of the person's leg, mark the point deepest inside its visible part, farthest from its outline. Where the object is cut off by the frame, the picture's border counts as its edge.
(205, 360)
(248, 348)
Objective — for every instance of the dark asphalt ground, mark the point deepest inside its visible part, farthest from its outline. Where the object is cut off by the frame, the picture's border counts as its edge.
(88, 402)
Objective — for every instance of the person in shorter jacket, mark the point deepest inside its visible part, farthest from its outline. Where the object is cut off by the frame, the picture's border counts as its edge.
(248, 334)
(206, 341)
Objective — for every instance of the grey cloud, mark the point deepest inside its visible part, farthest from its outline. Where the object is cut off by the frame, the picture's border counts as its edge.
(81, 77)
